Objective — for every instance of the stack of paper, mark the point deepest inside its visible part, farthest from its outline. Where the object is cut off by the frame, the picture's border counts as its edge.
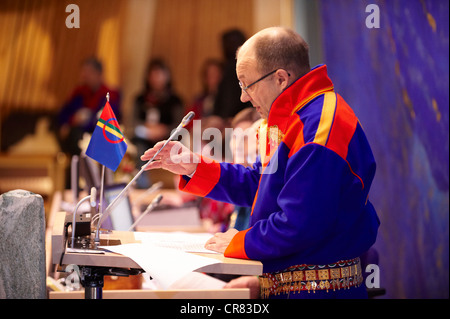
(188, 242)
(166, 257)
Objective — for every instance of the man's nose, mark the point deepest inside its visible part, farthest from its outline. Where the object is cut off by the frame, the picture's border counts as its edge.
(245, 97)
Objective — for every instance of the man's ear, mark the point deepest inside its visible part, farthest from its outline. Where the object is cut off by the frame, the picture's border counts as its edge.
(282, 78)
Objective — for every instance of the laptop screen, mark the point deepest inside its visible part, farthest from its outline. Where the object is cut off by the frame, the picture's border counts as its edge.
(121, 217)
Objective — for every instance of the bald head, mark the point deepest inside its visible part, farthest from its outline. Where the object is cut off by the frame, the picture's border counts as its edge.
(268, 63)
(278, 47)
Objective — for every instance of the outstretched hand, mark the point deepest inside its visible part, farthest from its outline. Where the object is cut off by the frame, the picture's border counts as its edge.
(174, 157)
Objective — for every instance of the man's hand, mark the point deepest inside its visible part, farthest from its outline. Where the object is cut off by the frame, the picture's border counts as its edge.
(175, 157)
(251, 282)
(220, 241)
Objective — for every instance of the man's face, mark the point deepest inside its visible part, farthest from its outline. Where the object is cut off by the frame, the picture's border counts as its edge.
(261, 94)
(158, 79)
(90, 77)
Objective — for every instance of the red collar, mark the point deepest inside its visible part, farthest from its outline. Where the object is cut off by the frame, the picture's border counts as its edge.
(297, 95)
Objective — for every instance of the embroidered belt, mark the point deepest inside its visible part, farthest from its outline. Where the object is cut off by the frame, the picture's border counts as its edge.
(341, 275)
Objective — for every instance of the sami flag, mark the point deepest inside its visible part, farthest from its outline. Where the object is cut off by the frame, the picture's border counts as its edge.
(107, 145)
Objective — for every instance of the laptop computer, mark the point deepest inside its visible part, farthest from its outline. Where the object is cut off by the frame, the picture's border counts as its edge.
(121, 217)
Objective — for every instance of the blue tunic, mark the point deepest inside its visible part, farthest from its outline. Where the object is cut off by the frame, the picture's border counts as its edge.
(309, 192)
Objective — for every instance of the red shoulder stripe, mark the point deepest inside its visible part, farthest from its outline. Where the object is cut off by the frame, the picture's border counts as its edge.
(343, 128)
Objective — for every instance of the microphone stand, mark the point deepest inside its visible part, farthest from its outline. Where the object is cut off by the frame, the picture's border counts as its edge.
(154, 188)
(108, 209)
(149, 208)
(92, 197)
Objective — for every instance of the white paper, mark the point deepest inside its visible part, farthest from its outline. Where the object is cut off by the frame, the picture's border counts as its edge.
(164, 265)
(188, 242)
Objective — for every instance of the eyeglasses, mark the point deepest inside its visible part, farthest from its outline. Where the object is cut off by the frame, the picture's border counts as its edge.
(260, 79)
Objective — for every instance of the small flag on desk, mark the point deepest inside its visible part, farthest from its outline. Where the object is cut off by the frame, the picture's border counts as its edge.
(107, 145)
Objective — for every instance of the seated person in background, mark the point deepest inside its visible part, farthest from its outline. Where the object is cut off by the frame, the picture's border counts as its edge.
(215, 214)
(228, 103)
(244, 146)
(203, 105)
(158, 110)
(79, 114)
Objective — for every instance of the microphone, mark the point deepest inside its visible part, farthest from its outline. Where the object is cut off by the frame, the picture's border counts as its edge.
(155, 202)
(185, 121)
(93, 199)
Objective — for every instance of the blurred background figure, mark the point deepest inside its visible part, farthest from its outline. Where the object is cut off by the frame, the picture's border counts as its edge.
(228, 99)
(228, 102)
(245, 146)
(214, 214)
(158, 109)
(245, 150)
(211, 76)
(79, 114)
(219, 216)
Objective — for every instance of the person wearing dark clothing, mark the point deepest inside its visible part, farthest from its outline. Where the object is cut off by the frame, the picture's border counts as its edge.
(79, 113)
(158, 110)
(227, 103)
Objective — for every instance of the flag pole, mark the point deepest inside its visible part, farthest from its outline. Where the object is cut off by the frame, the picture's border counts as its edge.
(102, 184)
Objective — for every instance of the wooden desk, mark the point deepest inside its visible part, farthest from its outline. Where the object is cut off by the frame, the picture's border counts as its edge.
(225, 266)
(243, 293)
(57, 255)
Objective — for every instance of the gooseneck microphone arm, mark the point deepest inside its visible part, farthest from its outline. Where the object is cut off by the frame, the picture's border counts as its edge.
(155, 202)
(154, 188)
(93, 201)
(185, 121)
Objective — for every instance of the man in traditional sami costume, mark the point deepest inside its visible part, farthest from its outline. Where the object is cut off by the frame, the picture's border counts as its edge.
(311, 216)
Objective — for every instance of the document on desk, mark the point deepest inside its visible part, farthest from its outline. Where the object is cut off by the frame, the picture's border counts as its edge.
(165, 265)
(188, 242)
(166, 257)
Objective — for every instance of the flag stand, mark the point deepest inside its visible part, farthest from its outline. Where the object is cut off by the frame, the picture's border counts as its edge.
(102, 182)
(92, 277)
(102, 185)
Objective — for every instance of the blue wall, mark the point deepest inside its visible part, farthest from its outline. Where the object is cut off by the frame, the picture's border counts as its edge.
(396, 78)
